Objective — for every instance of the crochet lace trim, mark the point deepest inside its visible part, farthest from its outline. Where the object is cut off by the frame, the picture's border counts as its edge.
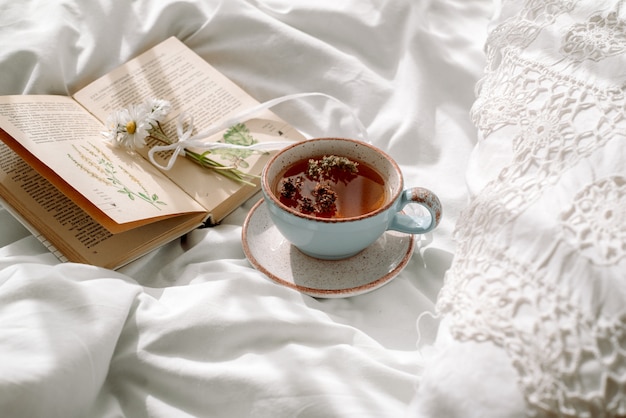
(541, 262)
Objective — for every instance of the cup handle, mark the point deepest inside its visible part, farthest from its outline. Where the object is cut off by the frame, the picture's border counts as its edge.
(417, 224)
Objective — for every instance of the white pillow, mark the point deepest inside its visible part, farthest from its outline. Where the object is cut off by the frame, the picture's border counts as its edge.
(540, 270)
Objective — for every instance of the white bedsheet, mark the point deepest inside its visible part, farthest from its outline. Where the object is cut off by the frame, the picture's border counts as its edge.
(192, 329)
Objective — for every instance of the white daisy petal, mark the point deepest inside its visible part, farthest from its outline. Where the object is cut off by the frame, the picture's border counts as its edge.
(156, 110)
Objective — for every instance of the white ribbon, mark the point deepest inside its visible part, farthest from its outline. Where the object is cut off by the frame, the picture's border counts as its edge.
(186, 140)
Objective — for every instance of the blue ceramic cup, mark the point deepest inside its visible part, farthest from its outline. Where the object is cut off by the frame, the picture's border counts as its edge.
(338, 238)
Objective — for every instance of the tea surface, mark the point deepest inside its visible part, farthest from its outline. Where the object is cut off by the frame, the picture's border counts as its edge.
(331, 187)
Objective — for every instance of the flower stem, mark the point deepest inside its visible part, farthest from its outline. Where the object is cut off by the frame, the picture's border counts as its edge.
(230, 172)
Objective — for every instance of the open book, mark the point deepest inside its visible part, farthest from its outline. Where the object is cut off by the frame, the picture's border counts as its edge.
(93, 203)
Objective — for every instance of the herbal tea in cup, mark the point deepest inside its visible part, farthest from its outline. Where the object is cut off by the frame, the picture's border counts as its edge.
(332, 197)
(329, 186)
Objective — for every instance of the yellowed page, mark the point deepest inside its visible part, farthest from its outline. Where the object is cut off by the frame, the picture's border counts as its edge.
(68, 140)
(171, 71)
(70, 232)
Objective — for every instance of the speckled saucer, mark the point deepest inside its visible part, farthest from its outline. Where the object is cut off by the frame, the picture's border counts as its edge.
(269, 252)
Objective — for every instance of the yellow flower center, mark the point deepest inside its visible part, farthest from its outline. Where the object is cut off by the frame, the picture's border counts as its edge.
(131, 127)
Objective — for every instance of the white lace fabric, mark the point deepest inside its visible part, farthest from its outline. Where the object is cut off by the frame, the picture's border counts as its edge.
(540, 268)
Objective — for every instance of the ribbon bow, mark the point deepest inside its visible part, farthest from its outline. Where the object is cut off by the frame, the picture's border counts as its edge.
(186, 140)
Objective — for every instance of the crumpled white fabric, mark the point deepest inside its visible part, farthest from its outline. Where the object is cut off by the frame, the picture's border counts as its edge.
(192, 329)
(58, 336)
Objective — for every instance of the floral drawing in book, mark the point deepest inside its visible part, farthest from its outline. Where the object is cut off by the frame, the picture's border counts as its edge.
(98, 166)
(238, 134)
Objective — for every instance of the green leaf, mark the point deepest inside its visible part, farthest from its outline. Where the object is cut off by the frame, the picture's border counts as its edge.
(238, 134)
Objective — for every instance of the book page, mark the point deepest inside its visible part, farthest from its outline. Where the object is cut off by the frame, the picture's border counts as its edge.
(171, 71)
(68, 141)
(67, 230)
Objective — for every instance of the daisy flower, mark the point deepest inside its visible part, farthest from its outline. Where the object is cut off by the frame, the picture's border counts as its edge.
(156, 109)
(128, 127)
